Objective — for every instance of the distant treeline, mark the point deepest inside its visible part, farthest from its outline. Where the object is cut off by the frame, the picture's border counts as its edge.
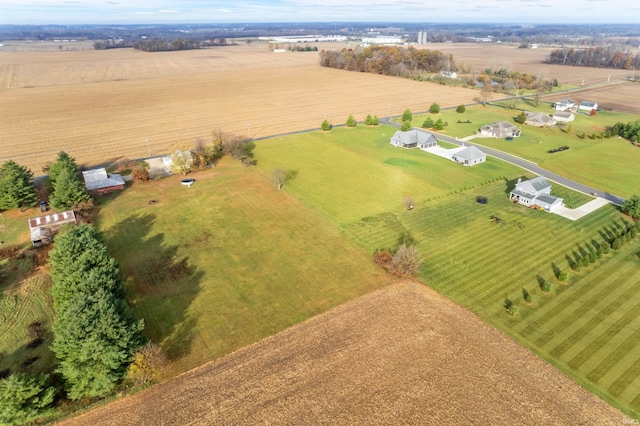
(603, 57)
(159, 45)
(387, 60)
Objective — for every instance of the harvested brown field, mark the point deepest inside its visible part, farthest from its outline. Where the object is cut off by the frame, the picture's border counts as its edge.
(403, 354)
(104, 105)
(531, 61)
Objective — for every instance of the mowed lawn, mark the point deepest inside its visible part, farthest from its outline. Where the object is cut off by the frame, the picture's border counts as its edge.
(227, 262)
(586, 326)
(612, 162)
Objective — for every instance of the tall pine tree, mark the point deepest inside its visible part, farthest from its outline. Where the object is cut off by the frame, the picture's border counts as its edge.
(68, 190)
(95, 336)
(16, 187)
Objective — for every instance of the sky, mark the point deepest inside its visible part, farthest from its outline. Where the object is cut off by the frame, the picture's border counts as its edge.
(40, 12)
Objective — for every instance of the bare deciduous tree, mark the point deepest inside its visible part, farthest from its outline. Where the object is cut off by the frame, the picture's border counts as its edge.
(282, 176)
(406, 261)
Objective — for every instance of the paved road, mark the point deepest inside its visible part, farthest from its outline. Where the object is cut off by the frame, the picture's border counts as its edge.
(528, 165)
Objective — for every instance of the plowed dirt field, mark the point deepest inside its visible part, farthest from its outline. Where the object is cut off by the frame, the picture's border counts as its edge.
(104, 105)
(400, 355)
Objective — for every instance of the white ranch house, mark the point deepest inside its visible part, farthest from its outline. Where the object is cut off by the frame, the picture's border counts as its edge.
(539, 119)
(413, 138)
(563, 116)
(587, 106)
(564, 105)
(469, 156)
(500, 129)
(535, 192)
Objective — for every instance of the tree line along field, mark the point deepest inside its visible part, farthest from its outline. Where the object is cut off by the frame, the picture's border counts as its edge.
(105, 105)
(584, 326)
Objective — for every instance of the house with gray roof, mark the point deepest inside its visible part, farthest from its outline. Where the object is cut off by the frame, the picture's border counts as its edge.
(99, 181)
(500, 129)
(539, 119)
(587, 106)
(563, 116)
(564, 105)
(413, 138)
(534, 193)
(469, 156)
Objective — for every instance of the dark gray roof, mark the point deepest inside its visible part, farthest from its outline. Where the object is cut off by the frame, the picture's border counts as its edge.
(549, 199)
(523, 194)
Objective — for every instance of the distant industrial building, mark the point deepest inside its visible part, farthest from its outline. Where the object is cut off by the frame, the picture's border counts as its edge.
(304, 39)
(422, 37)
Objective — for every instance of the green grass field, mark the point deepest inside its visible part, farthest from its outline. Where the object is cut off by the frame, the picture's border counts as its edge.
(232, 260)
(475, 262)
(611, 161)
(22, 304)
(228, 262)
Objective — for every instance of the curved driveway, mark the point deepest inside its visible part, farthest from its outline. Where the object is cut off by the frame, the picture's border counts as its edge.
(528, 165)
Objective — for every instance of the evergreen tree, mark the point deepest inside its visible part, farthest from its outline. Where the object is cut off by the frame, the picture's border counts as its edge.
(461, 109)
(369, 120)
(95, 335)
(376, 120)
(434, 108)
(63, 162)
(632, 206)
(326, 126)
(438, 125)
(351, 122)
(24, 399)
(407, 115)
(428, 123)
(95, 340)
(16, 187)
(68, 191)
(521, 118)
(406, 125)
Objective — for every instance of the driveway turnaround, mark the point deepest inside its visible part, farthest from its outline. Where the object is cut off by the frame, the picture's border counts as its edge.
(583, 210)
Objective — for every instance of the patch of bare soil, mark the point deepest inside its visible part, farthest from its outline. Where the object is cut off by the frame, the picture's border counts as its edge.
(403, 354)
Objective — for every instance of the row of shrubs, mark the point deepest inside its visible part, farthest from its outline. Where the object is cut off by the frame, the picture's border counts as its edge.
(558, 149)
(615, 239)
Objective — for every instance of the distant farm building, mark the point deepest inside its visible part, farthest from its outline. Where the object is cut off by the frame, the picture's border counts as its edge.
(588, 106)
(449, 74)
(413, 138)
(563, 116)
(564, 105)
(44, 228)
(500, 129)
(469, 156)
(535, 192)
(99, 181)
(539, 119)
